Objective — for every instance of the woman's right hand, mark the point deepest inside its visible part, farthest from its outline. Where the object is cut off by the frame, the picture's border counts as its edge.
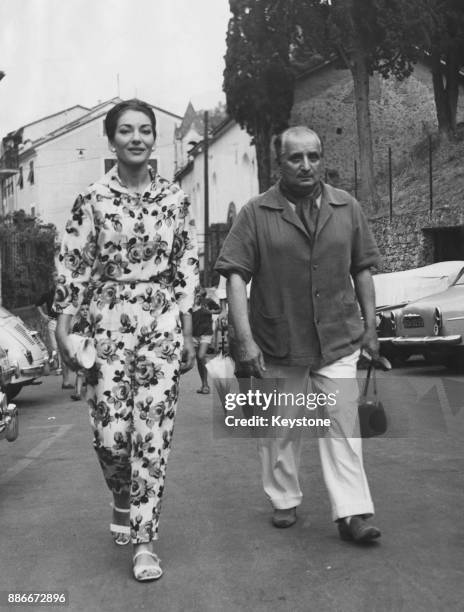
(62, 333)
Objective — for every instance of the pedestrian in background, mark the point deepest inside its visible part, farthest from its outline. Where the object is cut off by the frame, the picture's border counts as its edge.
(131, 243)
(81, 326)
(49, 315)
(307, 249)
(202, 332)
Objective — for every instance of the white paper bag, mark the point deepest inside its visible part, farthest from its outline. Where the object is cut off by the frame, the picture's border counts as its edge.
(221, 369)
(83, 350)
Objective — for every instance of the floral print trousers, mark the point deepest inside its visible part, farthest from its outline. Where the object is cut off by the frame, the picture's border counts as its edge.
(132, 394)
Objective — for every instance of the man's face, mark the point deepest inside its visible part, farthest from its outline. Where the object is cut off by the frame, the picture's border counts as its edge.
(300, 161)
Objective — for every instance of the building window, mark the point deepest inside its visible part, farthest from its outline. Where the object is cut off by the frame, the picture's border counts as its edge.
(21, 178)
(30, 176)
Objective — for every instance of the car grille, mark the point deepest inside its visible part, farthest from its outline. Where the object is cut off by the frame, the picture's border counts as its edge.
(413, 321)
(20, 329)
(38, 340)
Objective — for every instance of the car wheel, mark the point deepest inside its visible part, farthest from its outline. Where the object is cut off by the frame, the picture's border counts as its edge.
(435, 357)
(395, 355)
(12, 391)
(455, 361)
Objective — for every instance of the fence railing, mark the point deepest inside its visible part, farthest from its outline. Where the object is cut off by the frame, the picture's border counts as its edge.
(389, 177)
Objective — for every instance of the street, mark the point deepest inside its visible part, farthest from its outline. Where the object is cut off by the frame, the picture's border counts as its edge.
(218, 547)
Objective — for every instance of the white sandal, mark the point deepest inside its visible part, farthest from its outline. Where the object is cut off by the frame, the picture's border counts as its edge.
(121, 533)
(146, 572)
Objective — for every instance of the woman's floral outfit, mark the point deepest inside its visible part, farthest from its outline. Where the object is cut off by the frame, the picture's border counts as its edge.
(136, 256)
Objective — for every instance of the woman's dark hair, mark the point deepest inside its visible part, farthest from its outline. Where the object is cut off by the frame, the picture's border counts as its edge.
(112, 116)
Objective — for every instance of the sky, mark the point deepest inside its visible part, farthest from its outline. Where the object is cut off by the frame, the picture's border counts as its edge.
(58, 53)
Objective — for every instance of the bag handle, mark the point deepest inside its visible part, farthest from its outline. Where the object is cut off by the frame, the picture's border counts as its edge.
(223, 340)
(370, 369)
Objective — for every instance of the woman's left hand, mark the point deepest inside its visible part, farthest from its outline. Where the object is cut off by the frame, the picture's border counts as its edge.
(188, 355)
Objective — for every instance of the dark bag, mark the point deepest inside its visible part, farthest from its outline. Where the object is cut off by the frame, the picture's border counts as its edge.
(372, 416)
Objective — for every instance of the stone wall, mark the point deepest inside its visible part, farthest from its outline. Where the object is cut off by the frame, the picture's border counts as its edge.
(405, 241)
(402, 113)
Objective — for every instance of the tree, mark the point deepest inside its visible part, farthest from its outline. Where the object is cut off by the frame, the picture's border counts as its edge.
(215, 116)
(368, 36)
(258, 79)
(27, 253)
(442, 35)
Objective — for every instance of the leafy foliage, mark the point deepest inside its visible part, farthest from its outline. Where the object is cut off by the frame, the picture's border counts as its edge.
(27, 256)
(215, 116)
(442, 35)
(383, 27)
(258, 79)
(367, 37)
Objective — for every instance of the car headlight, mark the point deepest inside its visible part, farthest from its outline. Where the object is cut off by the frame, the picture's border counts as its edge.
(17, 369)
(437, 322)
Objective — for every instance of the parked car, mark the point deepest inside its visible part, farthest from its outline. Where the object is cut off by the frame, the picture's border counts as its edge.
(394, 290)
(8, 412)
(432, 326)
(26, 352)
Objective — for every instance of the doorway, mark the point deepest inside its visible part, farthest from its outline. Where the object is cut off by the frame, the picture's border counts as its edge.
(447, 243)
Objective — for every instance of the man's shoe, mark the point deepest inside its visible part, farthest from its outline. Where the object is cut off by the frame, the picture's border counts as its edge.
(284, 518)
(358, 530)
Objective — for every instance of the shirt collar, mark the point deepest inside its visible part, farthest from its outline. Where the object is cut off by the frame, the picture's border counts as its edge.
(273, 197)
(115, 183)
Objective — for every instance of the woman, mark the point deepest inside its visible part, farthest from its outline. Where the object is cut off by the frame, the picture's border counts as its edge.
(131, 244)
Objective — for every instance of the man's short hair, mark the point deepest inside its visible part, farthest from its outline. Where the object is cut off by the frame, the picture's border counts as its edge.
(280, 138)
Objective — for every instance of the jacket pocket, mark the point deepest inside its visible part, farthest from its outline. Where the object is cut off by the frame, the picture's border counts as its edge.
(272, 334)
(353, 319)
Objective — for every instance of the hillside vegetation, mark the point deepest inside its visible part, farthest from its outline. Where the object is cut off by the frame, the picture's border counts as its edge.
(411, 177)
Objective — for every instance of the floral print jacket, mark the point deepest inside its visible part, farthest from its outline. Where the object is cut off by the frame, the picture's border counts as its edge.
(116, 237)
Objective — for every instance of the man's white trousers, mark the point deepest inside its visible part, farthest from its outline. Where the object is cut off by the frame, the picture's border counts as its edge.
(340, 453)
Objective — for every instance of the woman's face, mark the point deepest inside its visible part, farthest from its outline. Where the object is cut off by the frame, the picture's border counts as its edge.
(134, 139)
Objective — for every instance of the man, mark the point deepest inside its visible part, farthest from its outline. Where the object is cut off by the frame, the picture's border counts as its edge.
(45, 307)
(301, 242)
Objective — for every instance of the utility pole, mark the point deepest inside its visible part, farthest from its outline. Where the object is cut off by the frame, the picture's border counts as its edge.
(206, 230)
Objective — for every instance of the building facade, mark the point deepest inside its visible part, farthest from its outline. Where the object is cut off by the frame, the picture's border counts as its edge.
(232, 176)
(58, 157)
